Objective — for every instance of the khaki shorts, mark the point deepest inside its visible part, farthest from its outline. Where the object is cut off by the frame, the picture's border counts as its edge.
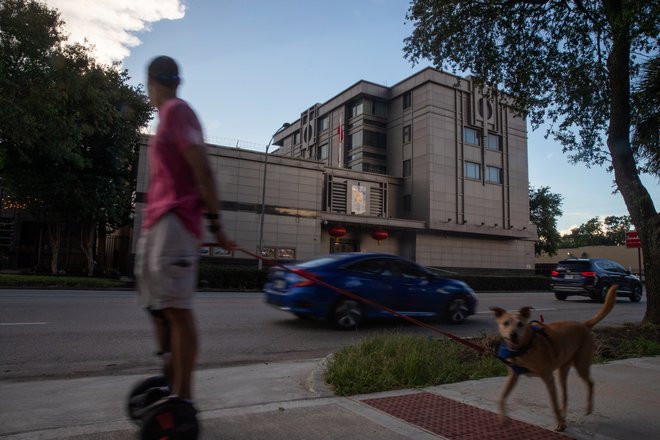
(166, 265)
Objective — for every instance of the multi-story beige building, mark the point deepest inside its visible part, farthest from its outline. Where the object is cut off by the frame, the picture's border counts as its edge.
(439, 167)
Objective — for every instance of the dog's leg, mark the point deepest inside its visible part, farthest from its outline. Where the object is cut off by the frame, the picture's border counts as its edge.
(563, 376)
(583, 370)
(512, 379)
(549, 381)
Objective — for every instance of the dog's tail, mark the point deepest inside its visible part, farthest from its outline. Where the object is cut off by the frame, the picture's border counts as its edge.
(610, 300)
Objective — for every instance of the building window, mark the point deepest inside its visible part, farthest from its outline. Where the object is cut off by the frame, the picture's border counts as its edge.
(286, 253)
(375, 139)
(471, 136)
(279, 253)
(407, 100)
(373, 168)
(296, 138)
(324, 123)
(494, 142)
(407, 203)
(322, 152)
(407, 134)
(379, 108)
(355, 140)
(407, 168)
(472, 170)
(357, 108)
(494, 174)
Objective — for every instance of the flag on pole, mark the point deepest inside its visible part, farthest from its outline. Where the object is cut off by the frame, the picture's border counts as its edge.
(340, 137)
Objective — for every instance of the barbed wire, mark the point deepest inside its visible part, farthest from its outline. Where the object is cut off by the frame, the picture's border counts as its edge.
(235, 143)
(220, 141)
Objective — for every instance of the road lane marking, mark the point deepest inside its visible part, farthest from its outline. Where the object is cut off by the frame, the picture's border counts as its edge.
(512, 311)
(22, 323)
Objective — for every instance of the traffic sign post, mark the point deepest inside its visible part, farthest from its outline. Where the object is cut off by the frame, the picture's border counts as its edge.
(632, 241)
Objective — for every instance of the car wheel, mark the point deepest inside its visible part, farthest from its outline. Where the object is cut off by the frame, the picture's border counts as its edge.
(636, 294)
(560, 296)
(347, 314)
(600, 295)
(457, 310)
(301, 315)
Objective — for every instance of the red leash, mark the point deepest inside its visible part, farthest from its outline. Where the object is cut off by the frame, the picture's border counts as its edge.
(374, 304)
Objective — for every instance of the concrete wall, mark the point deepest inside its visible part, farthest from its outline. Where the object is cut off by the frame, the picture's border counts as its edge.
(628, 257)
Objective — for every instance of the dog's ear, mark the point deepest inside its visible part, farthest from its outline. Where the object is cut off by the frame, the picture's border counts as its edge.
(525, 312)
(498, 311)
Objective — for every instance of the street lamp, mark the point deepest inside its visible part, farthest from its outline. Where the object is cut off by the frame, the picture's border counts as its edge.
(263, 196)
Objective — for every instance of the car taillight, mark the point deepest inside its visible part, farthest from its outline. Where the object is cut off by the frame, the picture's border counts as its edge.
(588, 274)
(554, 273)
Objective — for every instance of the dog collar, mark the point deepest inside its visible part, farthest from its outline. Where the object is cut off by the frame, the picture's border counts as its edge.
(504, 353)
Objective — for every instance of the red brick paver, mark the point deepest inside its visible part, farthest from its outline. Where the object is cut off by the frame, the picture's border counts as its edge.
(455, 420)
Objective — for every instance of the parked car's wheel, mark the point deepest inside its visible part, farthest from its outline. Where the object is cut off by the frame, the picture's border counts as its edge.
(599, 296)
(560, 296)
(636, 294)
(457, 310)
(347, 314)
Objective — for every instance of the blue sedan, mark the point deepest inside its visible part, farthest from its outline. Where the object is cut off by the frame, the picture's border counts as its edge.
(396, 283)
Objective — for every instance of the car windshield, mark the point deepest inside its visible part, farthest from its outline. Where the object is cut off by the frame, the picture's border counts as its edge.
(577, 266)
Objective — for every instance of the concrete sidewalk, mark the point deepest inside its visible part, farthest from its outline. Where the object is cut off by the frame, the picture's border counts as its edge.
(291, 401)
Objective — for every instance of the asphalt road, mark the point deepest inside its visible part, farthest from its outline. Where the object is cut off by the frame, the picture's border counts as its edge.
(56, 333)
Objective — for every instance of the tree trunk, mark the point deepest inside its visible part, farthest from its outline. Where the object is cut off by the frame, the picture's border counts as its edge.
(101, 258)
(87, 245)
(55, 236)
(638, 201)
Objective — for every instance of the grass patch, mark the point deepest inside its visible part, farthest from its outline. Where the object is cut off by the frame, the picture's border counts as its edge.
(628, 341)
(397, 361)
(391, 362)
(53, 281)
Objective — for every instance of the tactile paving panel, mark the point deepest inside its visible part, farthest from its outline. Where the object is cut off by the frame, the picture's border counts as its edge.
(455, 420)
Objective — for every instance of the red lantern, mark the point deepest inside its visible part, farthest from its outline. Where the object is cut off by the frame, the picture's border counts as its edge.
(379, 234)
(337, 232)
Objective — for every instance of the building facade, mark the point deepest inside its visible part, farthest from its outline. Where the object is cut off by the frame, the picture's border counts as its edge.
(430, 169)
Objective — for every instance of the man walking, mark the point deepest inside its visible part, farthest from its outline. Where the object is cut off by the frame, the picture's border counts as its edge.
(181, 188)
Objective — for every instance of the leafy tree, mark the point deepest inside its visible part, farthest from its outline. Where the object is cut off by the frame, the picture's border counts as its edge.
(610, 232)
(544, 208)
(68, 126)
(587, 234)
(646, 116)
(616, 228)
(571, 63)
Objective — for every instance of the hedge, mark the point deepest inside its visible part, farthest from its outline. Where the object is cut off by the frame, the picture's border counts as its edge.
(247, 278)
(238, 278)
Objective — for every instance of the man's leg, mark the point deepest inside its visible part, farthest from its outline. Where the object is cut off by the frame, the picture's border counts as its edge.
(184, 349)
(162, 332)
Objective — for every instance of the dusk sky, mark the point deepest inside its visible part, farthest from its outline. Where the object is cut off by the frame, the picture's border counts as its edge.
(250, 65)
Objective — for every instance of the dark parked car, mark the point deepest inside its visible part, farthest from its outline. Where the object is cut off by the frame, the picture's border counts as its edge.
(592, 277)
(392, 281)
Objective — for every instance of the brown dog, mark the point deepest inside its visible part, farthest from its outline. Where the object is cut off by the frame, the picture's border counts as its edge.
(539, 349)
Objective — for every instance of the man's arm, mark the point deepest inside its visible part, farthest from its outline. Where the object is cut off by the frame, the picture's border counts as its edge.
(198, 160)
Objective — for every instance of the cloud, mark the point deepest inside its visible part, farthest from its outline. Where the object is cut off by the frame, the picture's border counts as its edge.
(111, 25)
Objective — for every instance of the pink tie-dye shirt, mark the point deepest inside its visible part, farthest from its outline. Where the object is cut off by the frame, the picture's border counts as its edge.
(171, 183)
